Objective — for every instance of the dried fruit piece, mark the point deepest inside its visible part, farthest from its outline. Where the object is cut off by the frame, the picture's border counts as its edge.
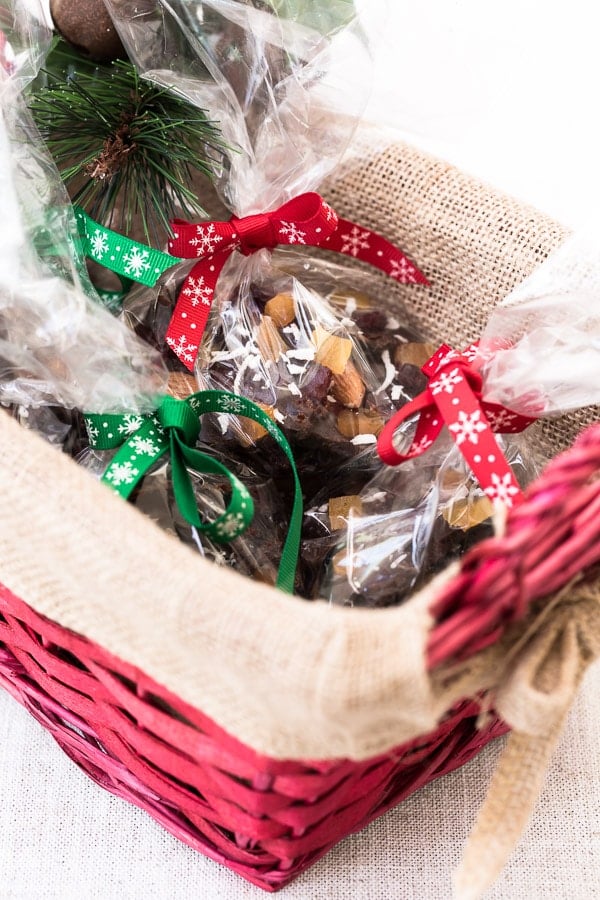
(281, 309)
(340, 508)
(467, 513)
(413, 354)
(253, 432)
(351, 423)
(349, 388)
(180, 385)
(332, 351)
(270, 343)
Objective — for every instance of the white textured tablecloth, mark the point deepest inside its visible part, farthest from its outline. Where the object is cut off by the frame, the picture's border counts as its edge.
(509, 92)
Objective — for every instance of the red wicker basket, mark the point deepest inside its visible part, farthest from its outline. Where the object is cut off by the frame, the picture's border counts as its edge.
(185, 756)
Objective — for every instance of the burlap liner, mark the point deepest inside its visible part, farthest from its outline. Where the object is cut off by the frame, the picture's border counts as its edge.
(303, 680)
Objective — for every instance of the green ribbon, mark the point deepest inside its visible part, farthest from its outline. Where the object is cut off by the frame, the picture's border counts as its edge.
(174, 429)
(130, 260)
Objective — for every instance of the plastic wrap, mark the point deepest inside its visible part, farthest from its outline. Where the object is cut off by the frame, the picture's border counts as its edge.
(58, 346)
(543, 340)
(408, 523)
(539, 356)
(286, 81)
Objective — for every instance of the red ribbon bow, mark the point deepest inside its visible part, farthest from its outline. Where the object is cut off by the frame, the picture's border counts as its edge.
(307, 219)
(453, 398)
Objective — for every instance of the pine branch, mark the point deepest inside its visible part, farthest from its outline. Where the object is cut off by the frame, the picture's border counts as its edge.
(122, 143)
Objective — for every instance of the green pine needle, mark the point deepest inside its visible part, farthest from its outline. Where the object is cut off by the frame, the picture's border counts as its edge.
(121, 142)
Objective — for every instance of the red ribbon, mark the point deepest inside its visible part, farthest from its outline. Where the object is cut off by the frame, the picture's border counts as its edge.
(453, 398)
(307, 219)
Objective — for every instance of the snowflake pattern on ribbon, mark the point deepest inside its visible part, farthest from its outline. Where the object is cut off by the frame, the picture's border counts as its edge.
(230, 526)
(144, 446)
(136, 261)
(446, 382)
(501, 420)
(468, 427)
(98, 244)
(355, 241)
(330, 213)
(130, 424)
(421, 445)
(231, 405)
(502, 489)
(198, 291)
(206, 239)
(291, 234)
(402, 270)
(183, 348)
(92, 432)
(122, 473)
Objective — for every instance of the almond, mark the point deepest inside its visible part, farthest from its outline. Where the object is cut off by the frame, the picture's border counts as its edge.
(466, 514)
(270, 343)
(351, 423)
(281, 309)
(180, 385)
(413, 354)
(340, 509)
(349, 388)
(252, 431)
(332, 351)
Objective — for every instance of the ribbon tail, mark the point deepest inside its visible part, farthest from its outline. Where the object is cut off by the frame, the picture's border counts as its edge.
(193, 307)
(507, 808)
(373, 248)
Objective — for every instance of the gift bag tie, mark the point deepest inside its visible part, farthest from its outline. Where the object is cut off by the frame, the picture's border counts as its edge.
(173, 430)
(305, 220)
(453, 398)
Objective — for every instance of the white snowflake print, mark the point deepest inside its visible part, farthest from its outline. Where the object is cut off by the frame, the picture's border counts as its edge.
(501, 419)
(182, 348)
(272, 429)
(130, 424)
(291, 233)
(230, 526)
(419, 446)
(502, 489)
(206, 239)
(356, 241)
(468, 427)
(445, 382)
(99, 244)
(403, 270)
(122, 473)
(92, 431)
(144, 446)
(230, 405)
(330, 213)
(136, 262)
(198, 291)
(445, 358)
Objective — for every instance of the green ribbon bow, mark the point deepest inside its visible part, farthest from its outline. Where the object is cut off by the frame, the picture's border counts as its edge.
(174, 429)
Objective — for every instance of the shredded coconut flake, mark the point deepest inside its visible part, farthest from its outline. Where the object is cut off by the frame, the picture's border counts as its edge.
(223, 421)
(279, 416)
(307, 353)
(390, 372)
(294, 389)
(392, 324)
(364, 439)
